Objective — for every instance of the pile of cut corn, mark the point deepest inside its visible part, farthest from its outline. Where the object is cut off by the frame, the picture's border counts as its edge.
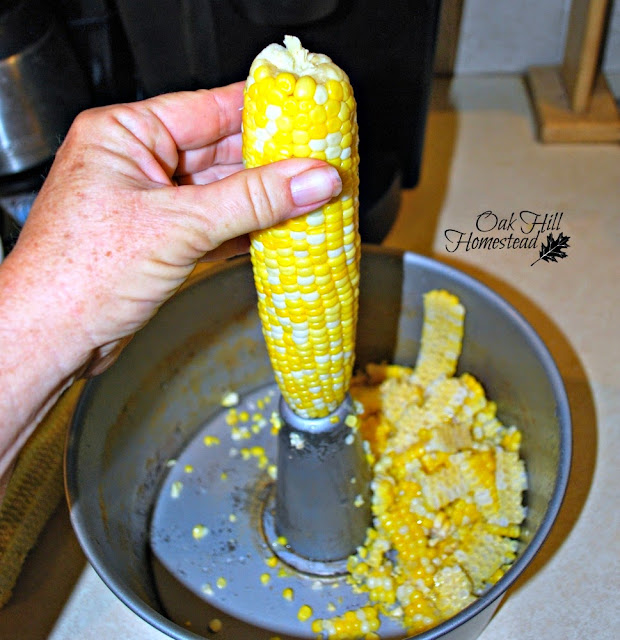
(447, 486)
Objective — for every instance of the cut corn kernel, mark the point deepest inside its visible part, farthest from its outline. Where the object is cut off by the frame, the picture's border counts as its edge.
(215, 625)
(304, 613)
(300, 104)
(199, 531)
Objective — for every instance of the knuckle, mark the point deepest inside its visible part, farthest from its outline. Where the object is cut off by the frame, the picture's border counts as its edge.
(87, 125)
(264, 203)
(80, 126)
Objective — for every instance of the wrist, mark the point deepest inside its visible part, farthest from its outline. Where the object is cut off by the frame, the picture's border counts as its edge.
(40, 353)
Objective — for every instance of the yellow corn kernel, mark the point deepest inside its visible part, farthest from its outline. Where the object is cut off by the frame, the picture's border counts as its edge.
(305, 87)
(306, 270)
(199, 531)
(210, 440)
(304, 613)
(512, 440)
(285, 82)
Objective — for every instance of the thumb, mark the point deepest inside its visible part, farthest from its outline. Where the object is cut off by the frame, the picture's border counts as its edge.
(254, 199)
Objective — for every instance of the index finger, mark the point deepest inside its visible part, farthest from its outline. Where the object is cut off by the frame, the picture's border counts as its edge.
(195, 119)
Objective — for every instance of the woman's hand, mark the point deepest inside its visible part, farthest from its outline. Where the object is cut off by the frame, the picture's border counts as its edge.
(125, 214)
(137, 194)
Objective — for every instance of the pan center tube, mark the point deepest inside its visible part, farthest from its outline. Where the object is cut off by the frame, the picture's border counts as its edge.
(321, 507)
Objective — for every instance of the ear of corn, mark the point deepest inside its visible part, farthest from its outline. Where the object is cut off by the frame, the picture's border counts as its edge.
(300, 104)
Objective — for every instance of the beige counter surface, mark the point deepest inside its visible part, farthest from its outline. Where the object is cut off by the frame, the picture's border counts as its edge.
(481, 156)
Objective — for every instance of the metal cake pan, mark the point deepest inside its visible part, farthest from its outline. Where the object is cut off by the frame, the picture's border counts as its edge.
(207, 340)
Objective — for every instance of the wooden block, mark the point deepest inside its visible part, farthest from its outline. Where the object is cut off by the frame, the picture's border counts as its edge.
(557, 122)
(584, 42)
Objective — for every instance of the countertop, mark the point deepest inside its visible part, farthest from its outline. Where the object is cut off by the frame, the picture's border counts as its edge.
(481, 156)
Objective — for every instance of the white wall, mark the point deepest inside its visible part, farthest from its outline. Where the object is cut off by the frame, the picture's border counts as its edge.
(508, 36)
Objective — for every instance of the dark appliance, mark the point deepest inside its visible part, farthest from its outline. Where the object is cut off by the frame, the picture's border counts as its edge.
(131, 49)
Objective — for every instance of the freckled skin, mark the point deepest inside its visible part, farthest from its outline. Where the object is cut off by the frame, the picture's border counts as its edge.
(137, 194)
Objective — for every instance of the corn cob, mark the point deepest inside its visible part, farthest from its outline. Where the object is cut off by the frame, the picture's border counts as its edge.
(300, 104)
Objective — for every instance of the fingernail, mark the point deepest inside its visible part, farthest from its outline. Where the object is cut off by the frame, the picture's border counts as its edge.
(315, 185)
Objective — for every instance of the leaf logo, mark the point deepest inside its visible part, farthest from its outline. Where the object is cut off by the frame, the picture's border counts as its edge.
(554, 248)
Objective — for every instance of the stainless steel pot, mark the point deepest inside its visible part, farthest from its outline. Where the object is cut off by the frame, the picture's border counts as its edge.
(207, 340)
(42, 87)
